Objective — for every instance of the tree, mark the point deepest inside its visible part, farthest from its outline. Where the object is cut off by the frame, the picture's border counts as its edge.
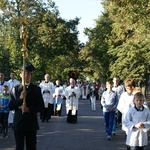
(50, 38)
(95, 51)
(119, 43)
(129, 43)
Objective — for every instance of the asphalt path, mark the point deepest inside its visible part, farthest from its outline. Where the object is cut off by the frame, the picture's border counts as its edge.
(87, 134)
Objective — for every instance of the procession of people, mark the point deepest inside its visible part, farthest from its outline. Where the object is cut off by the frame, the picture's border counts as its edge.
(120, 102)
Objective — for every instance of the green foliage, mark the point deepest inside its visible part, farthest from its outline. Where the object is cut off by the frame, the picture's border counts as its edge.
(119, 43)
(130, 38)
(51, 41)
(95, 52)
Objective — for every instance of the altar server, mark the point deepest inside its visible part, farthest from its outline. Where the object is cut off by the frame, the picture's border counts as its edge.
(58, 98)
(137, 122)
(12, 82)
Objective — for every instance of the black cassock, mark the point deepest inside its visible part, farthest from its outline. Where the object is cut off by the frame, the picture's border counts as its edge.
(72, 118)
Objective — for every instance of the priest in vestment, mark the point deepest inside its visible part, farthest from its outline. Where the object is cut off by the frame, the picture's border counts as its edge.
(72, 94)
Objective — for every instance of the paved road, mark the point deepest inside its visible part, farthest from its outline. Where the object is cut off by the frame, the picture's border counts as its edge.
(87, 134)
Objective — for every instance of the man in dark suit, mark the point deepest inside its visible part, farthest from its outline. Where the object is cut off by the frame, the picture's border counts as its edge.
(25, 124)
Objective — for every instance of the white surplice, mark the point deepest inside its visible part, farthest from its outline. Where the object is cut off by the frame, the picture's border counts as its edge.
(47, 97)
(72, 102)
(125, 102)
(135, 136)
(12, 83)
(58, 97)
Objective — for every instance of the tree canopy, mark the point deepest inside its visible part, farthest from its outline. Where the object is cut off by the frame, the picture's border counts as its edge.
(119, 42)
(52, 42)
(118, 45)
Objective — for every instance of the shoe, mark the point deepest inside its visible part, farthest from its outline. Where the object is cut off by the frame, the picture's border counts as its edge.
(120, 124)
(6, 136)
(113, 133)
(108, 137)
(9, 125)
(1, 128)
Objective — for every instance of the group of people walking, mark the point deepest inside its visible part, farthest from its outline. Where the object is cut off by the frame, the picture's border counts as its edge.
(53, 96)
(6, 116)
(26, 103)
(19, 107)
(129, 104)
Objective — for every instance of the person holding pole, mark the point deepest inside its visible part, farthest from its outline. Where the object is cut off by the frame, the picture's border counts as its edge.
(26, 103)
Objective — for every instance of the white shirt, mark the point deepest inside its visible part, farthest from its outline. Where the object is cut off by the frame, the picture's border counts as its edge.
(13, 83)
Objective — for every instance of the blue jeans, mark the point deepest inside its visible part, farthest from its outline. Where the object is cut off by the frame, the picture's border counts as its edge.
(108, 121)
(114, 124)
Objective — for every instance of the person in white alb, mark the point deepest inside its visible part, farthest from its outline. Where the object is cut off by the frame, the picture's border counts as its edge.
(119, 89)
(58, 98)
(72, 94)
(93, 92)
(12, 83)
(126, 100)
(47, 89)
(137, 122)
(84, 90)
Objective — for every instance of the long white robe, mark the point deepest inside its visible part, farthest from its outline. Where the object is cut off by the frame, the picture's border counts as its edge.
(84, 91)
(58, 97)
(12, 83)
(119, 90)
(72, 102)
(135, 136)
(47, 97)
(125, 102)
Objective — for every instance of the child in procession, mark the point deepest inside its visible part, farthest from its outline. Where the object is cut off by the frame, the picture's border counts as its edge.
(4, 110)
(137, 121)
(109, 102)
